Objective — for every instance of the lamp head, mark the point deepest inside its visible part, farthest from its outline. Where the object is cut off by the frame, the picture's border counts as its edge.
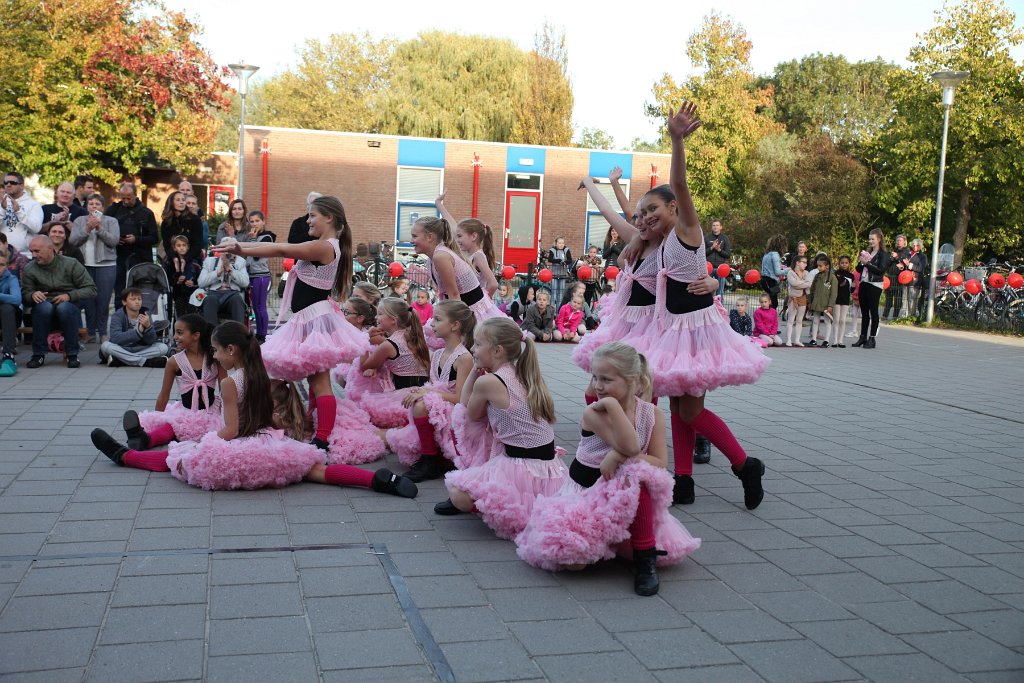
(244, 72)
(949, 80)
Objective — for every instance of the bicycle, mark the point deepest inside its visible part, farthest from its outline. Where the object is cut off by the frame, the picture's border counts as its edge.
(992, 304)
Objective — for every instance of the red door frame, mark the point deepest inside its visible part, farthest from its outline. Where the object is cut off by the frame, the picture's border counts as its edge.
(519, 257)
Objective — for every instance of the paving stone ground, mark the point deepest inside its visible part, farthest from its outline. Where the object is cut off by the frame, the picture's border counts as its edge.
(890, 547)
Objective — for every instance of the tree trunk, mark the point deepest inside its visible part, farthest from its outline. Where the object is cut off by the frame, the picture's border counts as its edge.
(963, 219)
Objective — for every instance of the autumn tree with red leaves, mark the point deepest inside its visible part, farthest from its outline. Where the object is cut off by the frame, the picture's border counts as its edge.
(104, 87)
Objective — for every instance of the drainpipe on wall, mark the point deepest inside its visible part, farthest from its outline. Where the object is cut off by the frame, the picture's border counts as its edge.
(654, 176)
(476, 182)
(265, 154)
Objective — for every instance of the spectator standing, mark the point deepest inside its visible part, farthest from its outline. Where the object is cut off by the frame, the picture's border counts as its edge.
(844, 295)
(824, 291)
(592, 284)
(799, 283)
(177, 220)
(918, 264)
(22, 216)
(718, 250)
(259, 273)
(224, 278)
(772, 270)
(874, 263)
(183, 274)
(613, 246)
(236, 224)
(83, 187)
(137, 227)
(559, 259)
(192, 204)
(801, 250)
(894, 296)
(133, 338)
(10, 311)
(53, 285)
(299, 230)
(64, 210)
(97, 236)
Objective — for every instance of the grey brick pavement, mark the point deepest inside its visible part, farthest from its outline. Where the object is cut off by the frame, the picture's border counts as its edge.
(890, 547)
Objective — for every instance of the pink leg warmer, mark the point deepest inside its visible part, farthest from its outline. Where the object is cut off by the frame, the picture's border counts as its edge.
(425, 430)
(326, 411)
(683, 441)
(347, 475)
(641, 531)
(719, 434)
(161, 435)
(154, 461)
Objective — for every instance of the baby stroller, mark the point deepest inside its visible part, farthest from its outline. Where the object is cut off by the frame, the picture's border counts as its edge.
(151, 278)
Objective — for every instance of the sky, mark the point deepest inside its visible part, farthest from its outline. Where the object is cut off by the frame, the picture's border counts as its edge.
(615, 56)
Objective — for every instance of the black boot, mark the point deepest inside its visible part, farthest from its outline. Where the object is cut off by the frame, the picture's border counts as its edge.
(859, 342)
(386, 481)
(682, 492)
(137, 439)
(701, 451)
(446, 508)
(750, 475)
(645, 579)
(870, 343)
(109, 446)
(322, 444)
(428, 467)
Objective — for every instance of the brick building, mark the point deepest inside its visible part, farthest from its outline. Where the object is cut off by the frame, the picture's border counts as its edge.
(528, 194)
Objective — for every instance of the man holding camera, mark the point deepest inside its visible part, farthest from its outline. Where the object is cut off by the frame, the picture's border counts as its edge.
(717, 250)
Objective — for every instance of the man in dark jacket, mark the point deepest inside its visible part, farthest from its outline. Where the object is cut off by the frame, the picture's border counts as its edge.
(894, 295)
(717, 250)
(299, 232)
(138, 233)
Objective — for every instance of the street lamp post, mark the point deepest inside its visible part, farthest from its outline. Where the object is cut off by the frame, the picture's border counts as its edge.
(949, 80)
(244, 72)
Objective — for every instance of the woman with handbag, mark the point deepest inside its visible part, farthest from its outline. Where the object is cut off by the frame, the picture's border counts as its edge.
(874, 262)
(772, 270)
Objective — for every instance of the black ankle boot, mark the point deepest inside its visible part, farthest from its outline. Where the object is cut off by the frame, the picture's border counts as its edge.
(446, 508)
(108, 445)
(870, 343)
(428, 467)
(859, 342)
(645, 579)
(386, 481)
(320, 443)
(701, 451)
(137, 439)
(750, 475)
(682, 492)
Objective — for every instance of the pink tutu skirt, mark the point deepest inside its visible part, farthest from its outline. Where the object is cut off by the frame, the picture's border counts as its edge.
(314, 340)
(269, 459)
(354, 440)
(405, 441)
(692, 353)
(583, 526)
(505, 488)
(633, 321)
(377, 396)
(188, 425)
(473, 440)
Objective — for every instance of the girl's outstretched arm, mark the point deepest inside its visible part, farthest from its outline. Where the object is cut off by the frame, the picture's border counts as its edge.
(625, 229)
(620, 195)
(314, 250)
(445, 214)
(681, 125)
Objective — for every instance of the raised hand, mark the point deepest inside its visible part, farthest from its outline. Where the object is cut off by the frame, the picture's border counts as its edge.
(440, 197)
(684, 122)
(615, 174)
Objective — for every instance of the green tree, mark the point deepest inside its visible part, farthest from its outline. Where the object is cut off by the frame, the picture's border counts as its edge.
(97, 86)
(730, 103)
(595, 138)
(544, 115)
(827, 94)
(984, 198)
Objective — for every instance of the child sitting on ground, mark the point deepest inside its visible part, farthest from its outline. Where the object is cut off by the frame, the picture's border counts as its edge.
(539, 320)
(569, 323)
(424, 309)
(739, 319)
(766, 323)
(133, 339)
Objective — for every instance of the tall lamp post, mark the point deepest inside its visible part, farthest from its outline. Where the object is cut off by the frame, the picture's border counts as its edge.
(949, 80)
(244, 72)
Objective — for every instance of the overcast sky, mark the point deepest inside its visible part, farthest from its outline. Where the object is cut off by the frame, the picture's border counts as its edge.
(615, 54)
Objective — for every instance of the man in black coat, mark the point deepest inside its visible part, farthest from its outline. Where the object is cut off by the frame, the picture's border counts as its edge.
(299, 232)
(138, 233)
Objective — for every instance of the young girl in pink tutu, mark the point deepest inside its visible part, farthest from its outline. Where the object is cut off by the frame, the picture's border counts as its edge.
(689, 345)
(317, 337)
(625, 511)
(426, 442)
(476, 241)
(196, 373)
(400, 361)
(519, 463)
(246, 453)
(453, 276)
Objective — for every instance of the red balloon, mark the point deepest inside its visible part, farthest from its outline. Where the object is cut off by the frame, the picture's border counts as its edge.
(955, 278)
(886, 282)
(1016, 280)
(544, 275)
(611, 272)
(724, 270)
(396, 269)
(508, 272)
(711, 268)
(752, 277)
(996, 281)
(288, 264)
(906, 277)
(973, 287)
(584, 272)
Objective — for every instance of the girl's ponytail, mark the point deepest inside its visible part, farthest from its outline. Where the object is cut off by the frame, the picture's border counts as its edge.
(409, 321)
(542, 406)
(289, 412)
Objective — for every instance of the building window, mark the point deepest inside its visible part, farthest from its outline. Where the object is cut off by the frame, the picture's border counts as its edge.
(417, 190)
(597, 226)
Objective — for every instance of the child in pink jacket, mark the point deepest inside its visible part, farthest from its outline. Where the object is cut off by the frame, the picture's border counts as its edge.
(569, 322)
(766, 323)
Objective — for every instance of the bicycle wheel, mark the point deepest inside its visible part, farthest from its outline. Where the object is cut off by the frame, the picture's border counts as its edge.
(1013, 316)
(376, 274)
(987, 313)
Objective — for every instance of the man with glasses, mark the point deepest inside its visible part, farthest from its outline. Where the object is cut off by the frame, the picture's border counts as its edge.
(138, 233)
(21, 216)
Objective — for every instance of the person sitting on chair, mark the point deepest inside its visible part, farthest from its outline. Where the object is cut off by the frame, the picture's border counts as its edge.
(224, 278)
